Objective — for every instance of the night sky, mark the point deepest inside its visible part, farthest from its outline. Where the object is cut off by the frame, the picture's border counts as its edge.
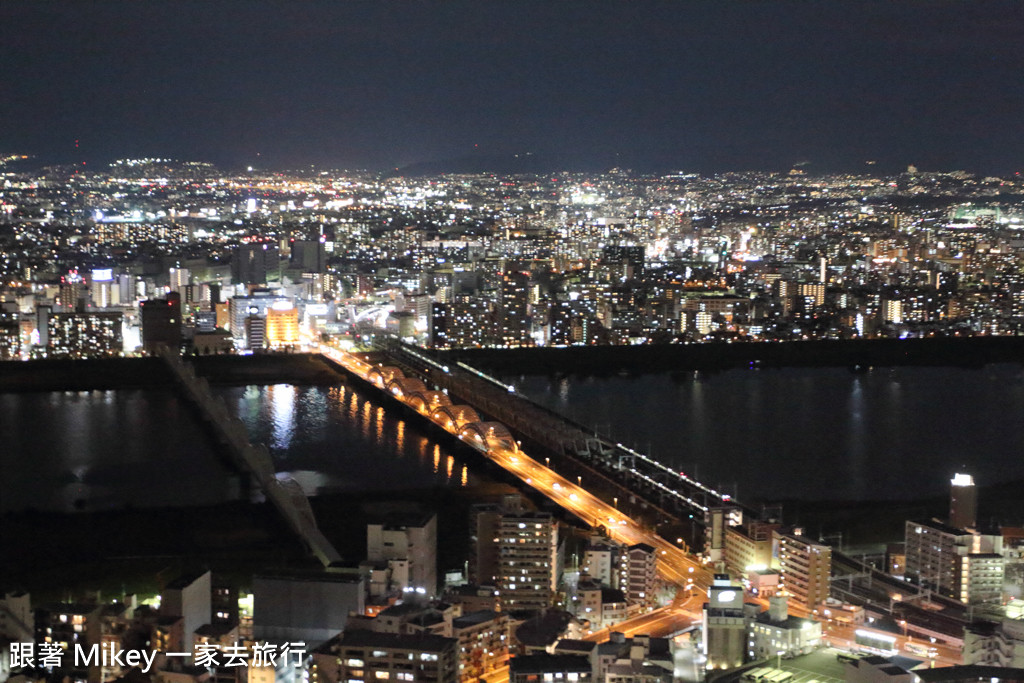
(697, 86)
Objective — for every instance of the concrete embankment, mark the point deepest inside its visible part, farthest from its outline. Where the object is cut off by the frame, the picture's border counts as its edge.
(856, 354)
(143, 373)
(285, 494)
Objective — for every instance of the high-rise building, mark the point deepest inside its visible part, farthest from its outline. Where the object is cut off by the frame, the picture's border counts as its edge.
(84, 335)
(73, 294)
(748, 546)
(641, 574)
(179, 278)
(484, 639)
(805, 568)
(255, 332)
(514, 323)
(815, 290)
(309, 256)
(963, 502)
(467, 323)
(282, 325)
(724, 624)
(960, 563)
(161, 323)
(627, 260)
(252, 263)
(528, 560)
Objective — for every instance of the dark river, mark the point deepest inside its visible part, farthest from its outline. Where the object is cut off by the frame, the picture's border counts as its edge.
(113, 449)
(762, 434)
(811, 433)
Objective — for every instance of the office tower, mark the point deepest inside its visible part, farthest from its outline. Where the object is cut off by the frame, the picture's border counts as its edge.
(255, 332)
(309, 256)
(724, 624)
(206, 321)
(161, 323)
(257, 305)
(252, 263)
(963, 502)
(282, 325)
(805, 568)
(409, 537)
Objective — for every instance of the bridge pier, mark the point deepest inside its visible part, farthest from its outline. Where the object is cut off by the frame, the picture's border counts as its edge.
(253, 460)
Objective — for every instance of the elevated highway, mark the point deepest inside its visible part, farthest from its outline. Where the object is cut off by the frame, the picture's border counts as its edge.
(495, 441)
(663, 488)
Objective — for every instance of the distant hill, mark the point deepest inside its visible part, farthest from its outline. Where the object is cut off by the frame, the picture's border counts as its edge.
(500, 164)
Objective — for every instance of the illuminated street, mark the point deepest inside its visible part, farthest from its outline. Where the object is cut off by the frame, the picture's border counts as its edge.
(674, 564)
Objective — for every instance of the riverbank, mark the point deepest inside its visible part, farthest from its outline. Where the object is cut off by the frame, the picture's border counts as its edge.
(144, 373)
(864, 523)
(307, 368)
(856, 354)
(132, 550)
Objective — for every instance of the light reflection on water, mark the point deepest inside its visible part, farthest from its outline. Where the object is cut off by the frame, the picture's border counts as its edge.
(349, 441)
(892, 433)
(109, 450)
(96, 450)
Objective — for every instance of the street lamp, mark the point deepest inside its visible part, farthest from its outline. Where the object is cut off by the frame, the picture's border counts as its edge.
(616, 501)
(579, 480)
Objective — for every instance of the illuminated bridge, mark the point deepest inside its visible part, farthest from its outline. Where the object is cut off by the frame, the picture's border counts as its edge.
(464, 401)
(494, 421)
(641, 476)
(588, 474)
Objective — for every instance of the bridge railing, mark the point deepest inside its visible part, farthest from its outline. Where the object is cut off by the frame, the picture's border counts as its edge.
(684, 489)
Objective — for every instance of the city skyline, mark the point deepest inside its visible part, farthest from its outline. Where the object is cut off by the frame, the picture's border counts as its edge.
(589, 86)
(461, 342)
